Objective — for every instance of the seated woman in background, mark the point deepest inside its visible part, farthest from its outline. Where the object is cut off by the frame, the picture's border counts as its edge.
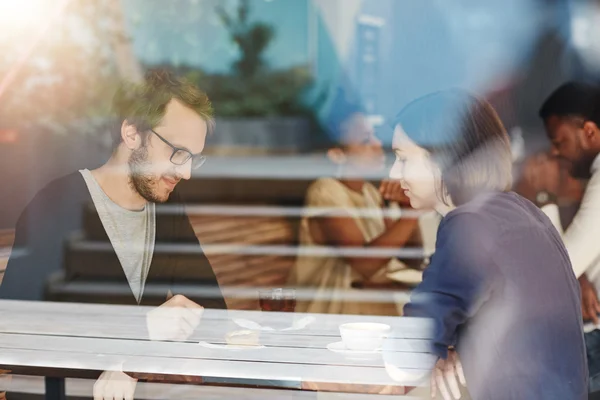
(500, 288)
(348, 213)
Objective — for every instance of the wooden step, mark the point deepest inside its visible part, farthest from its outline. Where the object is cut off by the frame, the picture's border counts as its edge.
(231, 269)
(7, 237)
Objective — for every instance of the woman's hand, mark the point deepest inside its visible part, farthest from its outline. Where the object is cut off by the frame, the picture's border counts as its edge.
(444, 377)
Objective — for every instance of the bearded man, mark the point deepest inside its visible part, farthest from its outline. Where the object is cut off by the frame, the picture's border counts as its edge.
(163, 124)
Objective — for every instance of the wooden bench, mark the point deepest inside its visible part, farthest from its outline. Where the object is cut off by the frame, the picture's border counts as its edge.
(239, 270)
(249, 248)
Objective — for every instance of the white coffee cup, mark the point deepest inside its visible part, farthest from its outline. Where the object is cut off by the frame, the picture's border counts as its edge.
(364, 336)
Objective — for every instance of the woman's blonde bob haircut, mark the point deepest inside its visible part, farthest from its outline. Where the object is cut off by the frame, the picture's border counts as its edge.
(465, 138)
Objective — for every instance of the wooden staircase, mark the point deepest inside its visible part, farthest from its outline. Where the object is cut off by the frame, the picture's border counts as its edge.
(232, 269)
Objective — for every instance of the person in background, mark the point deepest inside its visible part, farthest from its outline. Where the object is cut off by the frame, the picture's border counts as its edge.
(571, 115)
(163, 124)
(348, 213)
(500, 289)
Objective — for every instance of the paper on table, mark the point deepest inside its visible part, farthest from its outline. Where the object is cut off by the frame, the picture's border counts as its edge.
(230, 346)
(340, 347)
(297, 325)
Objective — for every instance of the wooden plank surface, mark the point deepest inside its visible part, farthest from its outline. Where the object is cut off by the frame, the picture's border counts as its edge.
(47, 360)
(269, 354)
(215, 335)
(110, 319)
(82, 337)
(158, 391)
(106, 310)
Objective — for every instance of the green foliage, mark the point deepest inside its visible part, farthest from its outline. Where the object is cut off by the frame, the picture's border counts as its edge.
(251, 38)
(269, 94)
(253, 90)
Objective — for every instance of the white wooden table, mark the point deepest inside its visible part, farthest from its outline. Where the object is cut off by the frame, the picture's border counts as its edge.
(59, 340)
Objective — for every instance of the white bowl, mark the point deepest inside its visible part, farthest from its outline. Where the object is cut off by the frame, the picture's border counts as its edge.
(364, 336)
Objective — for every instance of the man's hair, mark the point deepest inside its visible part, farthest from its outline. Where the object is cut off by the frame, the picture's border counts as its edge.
(465, 138)
(144, 104)
(573, 100)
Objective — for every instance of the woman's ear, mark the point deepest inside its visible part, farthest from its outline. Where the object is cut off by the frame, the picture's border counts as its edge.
(130, 136)
(336, 155)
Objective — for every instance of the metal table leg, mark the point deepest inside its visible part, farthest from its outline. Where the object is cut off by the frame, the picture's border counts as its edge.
(55, 389)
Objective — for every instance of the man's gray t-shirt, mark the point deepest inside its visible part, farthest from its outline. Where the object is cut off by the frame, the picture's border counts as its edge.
(131, 233)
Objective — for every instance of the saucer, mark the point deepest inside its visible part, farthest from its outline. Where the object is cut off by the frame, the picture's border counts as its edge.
(340, 347)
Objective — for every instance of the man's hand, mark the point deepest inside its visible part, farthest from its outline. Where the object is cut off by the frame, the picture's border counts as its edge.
(541, 173)
(114, 385)
(392, 191)
(590, 306)
(444, 377)
(174, 320)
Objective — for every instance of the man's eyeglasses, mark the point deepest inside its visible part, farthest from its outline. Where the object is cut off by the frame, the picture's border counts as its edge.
(181, 156)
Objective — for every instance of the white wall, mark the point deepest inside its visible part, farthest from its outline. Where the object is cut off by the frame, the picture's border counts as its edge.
(340, 18)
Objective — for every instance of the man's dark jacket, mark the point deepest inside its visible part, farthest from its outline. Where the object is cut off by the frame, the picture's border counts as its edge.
(59, 237)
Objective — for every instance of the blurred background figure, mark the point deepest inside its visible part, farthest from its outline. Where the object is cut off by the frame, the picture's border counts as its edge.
(571, 115)
(349, 213)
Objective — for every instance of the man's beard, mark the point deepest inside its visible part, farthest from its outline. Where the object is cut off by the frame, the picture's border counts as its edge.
(582, 168)
(141, 178)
